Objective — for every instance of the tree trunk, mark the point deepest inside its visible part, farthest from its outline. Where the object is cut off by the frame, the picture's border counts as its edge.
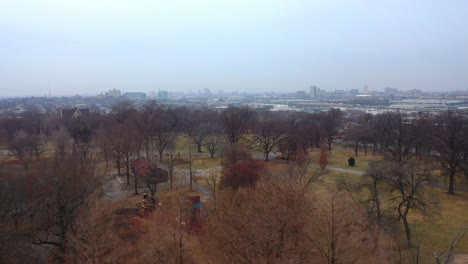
(161, 152)
(199, 145)
(147, 149)
(451, 182)
(107, 159)
(407, 230)
(127, 162)
(118, 166)
(377, 205)
(171, 176)
(191, 179)
(136, 184)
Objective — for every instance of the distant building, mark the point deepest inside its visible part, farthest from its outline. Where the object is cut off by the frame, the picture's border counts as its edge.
(365, 90)
(390, 91)
(354, 91)
(340, 92)
(151, 94)
(314, 92)
(301, 94)
(135, 95)
(415, 91)
(163, 95)
(113, 93)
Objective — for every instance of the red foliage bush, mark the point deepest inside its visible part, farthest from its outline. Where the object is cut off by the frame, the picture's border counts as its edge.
(236, 153)
(243, 173)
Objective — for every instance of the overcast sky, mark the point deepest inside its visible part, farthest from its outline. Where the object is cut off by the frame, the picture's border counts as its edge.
(89, 46)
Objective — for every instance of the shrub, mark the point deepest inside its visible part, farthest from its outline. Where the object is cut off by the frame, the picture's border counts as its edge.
(323, 161)
(244, 173)
(351, 162)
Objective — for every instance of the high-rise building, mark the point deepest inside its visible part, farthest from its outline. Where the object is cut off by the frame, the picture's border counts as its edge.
(365, 90)
(313, 91)
(163, 95)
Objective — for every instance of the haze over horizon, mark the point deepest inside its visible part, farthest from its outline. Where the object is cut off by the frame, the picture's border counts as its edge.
(85, 47)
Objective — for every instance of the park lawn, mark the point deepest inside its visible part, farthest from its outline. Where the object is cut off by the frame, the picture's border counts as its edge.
(205, 162)
(7, 158)
(182, 143)
(436, 233)
(328, 181)
(339, 155)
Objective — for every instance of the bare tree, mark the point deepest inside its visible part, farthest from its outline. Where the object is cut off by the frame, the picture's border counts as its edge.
(191, 158)
(25, 148)
(311, 126)
(236, 122)
(169, 241)
(91, 240)
(198, 135)
(330, 124)
(123, 111)
(356, 136)
(147, 122)
(267, 225)
(214, 140)
(117, 134)
(170, 162)
(341, 233)
(398, 136)
(451, 144)
(405, 183)
(163, 134)
(62, 187)
(131, 146)
(269, 132)
(62, 143)
(447, 257)
(212, 182)
(372, 182)
(104, 141)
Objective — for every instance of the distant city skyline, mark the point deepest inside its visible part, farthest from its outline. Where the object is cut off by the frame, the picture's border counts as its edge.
(87, 47)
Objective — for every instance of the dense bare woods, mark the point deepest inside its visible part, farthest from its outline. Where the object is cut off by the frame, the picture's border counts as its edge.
(282, 222)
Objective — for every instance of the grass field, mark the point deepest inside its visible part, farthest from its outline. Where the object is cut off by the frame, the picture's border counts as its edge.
(339, 155)
(437, 232)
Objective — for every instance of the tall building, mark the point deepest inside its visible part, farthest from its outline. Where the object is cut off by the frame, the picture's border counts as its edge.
(207, 92)
(365, 90)
(313, 92)
(163, 95)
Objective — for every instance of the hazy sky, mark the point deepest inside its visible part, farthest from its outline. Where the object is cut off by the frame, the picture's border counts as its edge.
(89, 46)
